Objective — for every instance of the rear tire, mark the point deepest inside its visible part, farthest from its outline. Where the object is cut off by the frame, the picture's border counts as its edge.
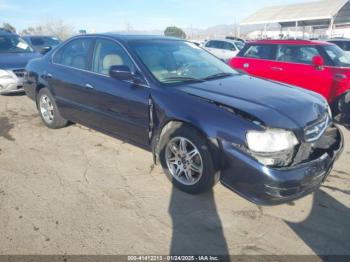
(48, 110)
(192, 172)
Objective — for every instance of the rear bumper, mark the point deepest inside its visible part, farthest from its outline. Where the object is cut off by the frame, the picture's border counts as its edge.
(269, 186)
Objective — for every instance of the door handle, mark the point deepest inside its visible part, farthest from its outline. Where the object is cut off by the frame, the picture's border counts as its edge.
(246, 65)
(89, 86)
(341, 76)
(277, 68)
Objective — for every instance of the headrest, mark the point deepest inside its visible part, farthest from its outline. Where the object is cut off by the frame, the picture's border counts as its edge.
(111, 60)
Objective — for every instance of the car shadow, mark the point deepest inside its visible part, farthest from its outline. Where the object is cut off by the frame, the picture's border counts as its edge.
(15, 94)
(197, 228)
(327, 228)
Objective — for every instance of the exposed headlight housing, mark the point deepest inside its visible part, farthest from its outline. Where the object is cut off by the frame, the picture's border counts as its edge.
(272, 147)
(329, 111)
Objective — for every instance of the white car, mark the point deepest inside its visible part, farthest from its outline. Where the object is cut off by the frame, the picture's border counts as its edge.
(343, 44)
(224, 49)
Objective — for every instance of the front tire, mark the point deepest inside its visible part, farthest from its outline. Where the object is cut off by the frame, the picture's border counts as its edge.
(186, 159)
(48, 110)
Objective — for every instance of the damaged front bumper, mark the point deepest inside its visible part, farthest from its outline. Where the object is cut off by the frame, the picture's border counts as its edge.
(267, 185)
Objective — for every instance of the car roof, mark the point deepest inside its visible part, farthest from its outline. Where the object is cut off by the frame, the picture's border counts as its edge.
(339, 40)
(290, 42)
(27, 36)
(226, 40)
(6, 33)
(127, 38)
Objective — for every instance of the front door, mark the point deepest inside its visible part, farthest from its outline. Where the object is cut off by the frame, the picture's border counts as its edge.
(294, 66)
(122, 105)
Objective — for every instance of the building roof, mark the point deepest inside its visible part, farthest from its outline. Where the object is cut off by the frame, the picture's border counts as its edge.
(309, 13)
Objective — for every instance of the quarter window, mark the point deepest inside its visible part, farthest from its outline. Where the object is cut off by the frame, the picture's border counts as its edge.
(75, 54)
(296, 54)
(215, 44)
(259, 51)
(107, 54)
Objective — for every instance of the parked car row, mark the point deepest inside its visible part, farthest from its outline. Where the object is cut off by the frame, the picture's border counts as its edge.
(203, 121)
(321, 67)
(15, 52)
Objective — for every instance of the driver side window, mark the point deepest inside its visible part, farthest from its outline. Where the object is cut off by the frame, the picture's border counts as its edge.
(107, 54)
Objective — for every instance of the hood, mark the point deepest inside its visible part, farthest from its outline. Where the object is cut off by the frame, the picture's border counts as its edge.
(275, 104)
(16, 60)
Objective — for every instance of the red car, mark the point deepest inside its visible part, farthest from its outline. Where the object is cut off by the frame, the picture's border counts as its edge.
(317, 66)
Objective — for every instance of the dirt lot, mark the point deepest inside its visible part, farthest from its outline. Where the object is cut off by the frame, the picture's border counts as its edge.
(76, 191)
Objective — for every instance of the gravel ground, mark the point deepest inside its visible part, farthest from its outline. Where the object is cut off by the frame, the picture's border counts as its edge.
(77, 191)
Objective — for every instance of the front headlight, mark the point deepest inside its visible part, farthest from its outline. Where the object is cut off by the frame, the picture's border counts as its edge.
(271, 140)
(5, 74)
(272, 147)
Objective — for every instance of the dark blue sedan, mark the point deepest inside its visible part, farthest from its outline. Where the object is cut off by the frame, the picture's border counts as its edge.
(202, 120)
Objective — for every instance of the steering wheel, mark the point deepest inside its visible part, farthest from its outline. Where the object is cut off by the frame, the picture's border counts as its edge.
(189, 69)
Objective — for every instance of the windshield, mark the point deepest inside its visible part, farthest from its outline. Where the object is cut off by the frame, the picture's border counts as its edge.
(338, 56)
(179, 61)
(45, 41)
(14, 44)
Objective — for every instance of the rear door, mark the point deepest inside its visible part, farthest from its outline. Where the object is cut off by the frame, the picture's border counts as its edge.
(294, 66)
(256, 60)
(67, 78)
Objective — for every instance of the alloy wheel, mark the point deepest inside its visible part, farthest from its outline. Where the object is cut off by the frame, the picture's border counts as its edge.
(184, 161)
(46, 109)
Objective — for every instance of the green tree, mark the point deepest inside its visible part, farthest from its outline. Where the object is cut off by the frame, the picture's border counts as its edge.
(175, 32)
(9, 27)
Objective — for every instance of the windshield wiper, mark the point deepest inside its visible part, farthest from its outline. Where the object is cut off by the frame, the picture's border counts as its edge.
(219, 75)
(182, 79)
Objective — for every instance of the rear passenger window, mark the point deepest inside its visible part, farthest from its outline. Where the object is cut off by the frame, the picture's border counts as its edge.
(229, 46)
(75, 54)
(296, 54)
(259, 52)
(215, 44)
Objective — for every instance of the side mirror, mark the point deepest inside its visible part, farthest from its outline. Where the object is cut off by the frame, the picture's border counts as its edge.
(45, 49)
(318, 61)
(122, 72)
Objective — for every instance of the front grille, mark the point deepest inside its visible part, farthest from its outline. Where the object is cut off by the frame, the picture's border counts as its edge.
(315, 130)
(19, 72)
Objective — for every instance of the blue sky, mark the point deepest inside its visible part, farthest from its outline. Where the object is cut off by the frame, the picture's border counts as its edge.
(109, 15)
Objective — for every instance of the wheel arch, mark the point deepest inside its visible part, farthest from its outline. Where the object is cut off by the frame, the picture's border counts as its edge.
(214, 144)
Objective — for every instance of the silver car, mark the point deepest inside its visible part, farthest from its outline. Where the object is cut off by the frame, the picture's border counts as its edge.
(14, 56)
